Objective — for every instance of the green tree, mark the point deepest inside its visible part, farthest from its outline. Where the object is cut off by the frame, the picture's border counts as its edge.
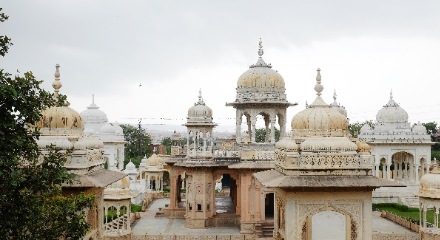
(167, 143)
(431, 127)
(260, 135)
(355, 128)
(138, 143)
(31, 202)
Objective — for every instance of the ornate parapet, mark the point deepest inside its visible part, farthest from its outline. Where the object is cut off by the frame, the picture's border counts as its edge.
(327, 163)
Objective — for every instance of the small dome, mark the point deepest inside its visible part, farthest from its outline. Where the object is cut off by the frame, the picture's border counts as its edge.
(88, 142)
(366, 129)
(288, 144)
(111, 132)
(130, 166)
(362, 146)
(59, 142)
(60, 120)
(154, 160)
(392, 113)
(338, 106)
(430, 184)
(92, 115)
(419, 129)
(319, 118)
(199, 113)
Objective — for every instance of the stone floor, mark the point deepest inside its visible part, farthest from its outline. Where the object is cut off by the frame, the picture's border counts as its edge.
(149, 224)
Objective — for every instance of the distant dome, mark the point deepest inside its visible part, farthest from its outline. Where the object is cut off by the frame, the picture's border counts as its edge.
(366, 129)
(60, 120)
(338, 106)
(154, 160)
(200, 113)
(419, 129)
(130, 166)
(319, 118)
(111, 132)
(392, 113)
(92, 115)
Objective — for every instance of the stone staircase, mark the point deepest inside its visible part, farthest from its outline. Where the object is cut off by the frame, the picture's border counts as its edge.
(264, 230)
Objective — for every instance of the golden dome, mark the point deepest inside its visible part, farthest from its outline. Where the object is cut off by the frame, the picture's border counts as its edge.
(260, 75)
(260, 83)
(319, 118)
(60, 120)
(154, 160)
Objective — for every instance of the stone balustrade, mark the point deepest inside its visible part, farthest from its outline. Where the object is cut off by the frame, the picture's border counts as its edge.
(401, 221)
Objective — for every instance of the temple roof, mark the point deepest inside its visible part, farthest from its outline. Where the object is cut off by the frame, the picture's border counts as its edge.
(100, 179)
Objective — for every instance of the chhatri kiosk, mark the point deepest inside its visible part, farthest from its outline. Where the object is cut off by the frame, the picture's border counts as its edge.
(323, 181)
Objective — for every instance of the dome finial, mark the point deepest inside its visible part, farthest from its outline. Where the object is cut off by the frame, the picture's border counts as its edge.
(391, 94)
(200, 102)
(93, 98)
(260, 49)
(57, 84)
(334, 95)
(318, 86)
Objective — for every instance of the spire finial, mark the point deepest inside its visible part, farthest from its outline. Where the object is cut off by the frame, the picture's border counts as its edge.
(200, 102)
(260, 49)
(334, 95)
(391, 94)
(93, 98)
(318, 86)
(57, 84)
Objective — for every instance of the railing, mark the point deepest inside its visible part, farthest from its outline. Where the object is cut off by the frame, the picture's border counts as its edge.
(395, 236)
(401, 221)
(191, 237)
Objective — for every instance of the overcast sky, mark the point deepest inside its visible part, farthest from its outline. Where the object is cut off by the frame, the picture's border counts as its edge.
(174, 48)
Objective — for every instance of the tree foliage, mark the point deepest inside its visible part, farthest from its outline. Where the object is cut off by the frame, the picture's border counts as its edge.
(431, 127)
(167, 143)
(355, 128)
(31, 203)
(138, 142)
(260, 135)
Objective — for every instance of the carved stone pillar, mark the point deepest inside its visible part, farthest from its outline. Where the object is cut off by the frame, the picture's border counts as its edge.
(272, 130)
(238, 121)
(253, 122)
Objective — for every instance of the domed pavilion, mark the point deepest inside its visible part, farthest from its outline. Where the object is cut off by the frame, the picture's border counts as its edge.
(429, 195)
(260, 92)
(322, 180)
(401, 153)
(63, 127)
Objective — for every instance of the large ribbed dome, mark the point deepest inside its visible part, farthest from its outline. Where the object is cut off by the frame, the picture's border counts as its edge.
(260, 75)
(60, 120)
(260, 83)
(319, 118)
(199, 113)
(392, 113)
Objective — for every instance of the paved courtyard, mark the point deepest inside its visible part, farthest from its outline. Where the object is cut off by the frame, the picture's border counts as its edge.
(149, 224)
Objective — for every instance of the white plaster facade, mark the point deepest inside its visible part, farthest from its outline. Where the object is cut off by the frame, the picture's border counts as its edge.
(96, 123)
